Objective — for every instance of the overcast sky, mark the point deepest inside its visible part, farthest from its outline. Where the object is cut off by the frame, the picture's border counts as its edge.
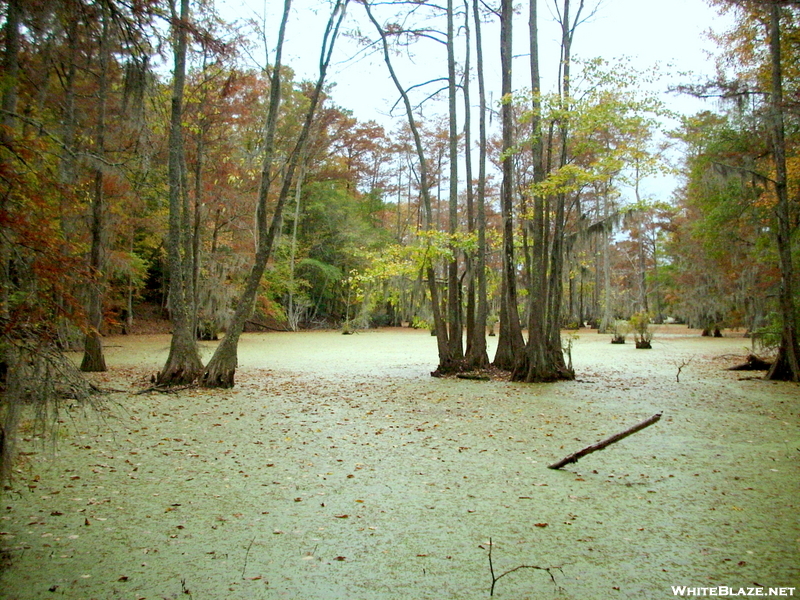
(671, 33)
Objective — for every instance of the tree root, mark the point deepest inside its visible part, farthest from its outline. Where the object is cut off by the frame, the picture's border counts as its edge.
(219, 378)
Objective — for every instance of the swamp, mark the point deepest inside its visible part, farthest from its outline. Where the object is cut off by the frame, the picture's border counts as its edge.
(337, 468)
(199, 198)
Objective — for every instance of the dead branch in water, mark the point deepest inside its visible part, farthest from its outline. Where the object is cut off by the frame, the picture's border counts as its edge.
(495, 579)
(167, 389)
(684, 363)
(247, 555)
(607, 442)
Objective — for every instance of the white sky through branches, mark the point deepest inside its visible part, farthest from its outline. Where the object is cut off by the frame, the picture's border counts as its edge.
(670, 33)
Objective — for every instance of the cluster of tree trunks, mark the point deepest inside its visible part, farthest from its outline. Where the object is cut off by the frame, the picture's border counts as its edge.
(541, 357)
(183, 363)
(532, 273)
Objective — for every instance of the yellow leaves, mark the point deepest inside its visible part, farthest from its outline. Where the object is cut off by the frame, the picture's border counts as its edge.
(767, 199)
(793, 175)
(568, 178)
(407, 260)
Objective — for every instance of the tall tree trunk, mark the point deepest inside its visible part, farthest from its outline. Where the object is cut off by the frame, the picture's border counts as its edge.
(556, 363)
(93, 358)
(608, 310)
(183, 363)
(294, 313)
(129, 292)
(188, 241)
(645, 305)
(11, 64)
(535, 352)
(197, 230)
(67, 166)
(221, 369)
(9, 105)
(455, 335)
(440, 325)
(510, 343)
(477, 357)
(656, 280)
(469, 257)
(544, 358)
(787, 364)
(9, 419)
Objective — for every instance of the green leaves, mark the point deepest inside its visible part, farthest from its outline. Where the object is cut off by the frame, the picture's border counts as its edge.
(611, 124)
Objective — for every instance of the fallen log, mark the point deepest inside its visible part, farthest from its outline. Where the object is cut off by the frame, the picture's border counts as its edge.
(473, 376)
(265, 326)
(753, 363)
(607, 442)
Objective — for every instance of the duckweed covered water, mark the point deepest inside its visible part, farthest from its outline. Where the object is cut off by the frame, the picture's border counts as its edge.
(337, 468)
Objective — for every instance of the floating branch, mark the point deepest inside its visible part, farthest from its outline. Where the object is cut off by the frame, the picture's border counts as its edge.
(607, 442)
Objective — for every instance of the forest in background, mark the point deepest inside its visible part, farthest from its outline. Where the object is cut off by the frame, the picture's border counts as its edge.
(144, 161)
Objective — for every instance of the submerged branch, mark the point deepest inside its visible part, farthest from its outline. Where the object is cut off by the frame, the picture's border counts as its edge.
(496, 578)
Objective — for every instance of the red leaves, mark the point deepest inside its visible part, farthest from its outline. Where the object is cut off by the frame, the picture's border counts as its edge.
(32, 221)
